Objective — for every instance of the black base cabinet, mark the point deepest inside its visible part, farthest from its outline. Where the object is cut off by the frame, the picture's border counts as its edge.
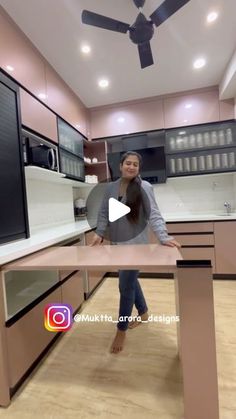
(13, 206)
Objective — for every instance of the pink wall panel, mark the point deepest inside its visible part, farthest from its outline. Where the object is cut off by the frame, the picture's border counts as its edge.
(127, 118)
(18, 52)
(226, 109)
(64, 102)
(204, 108)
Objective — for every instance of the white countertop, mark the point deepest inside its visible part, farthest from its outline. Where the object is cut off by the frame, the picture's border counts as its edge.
(42, 239)
(190, 216)
(50, 236)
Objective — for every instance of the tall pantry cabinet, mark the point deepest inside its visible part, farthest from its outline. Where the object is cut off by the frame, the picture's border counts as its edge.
(13, 208)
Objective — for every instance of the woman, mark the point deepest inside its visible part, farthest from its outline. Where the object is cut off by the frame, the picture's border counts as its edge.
(131, 229)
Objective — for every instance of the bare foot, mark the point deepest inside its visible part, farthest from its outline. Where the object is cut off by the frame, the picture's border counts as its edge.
(136, 322)
(118, 342)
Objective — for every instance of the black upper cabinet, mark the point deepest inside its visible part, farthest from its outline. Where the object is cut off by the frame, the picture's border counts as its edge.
(150, 145)
(13, 208)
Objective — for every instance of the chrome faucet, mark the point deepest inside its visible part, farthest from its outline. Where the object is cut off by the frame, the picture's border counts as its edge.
(227, 205)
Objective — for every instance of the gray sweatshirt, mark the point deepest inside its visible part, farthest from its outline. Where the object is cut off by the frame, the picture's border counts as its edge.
(131, 233)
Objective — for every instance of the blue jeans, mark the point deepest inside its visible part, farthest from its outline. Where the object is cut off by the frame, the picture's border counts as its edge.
(130, 294)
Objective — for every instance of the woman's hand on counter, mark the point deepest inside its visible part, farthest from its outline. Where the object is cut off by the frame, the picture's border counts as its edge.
(172, 243)
(96, 240)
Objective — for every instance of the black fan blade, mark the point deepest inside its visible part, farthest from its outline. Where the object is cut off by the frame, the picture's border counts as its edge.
(104, 22)
(166, 9)
(145, 54)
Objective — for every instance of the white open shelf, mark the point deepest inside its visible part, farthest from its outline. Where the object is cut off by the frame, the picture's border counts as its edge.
(38, 173)
(76, 183)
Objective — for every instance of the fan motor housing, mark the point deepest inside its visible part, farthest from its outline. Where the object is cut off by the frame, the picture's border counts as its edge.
(141, 32)
(139, 3)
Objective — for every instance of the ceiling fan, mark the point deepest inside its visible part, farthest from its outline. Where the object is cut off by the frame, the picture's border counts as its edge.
(142, 30)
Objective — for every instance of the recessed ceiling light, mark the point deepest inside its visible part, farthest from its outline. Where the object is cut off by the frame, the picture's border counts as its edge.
(121, 119)
(85, 49)
(188, 105)
(42, 96)
(103, 83)
(77, 126)
(211, 17)
(199, 63)
(9, 68)
(185, 120)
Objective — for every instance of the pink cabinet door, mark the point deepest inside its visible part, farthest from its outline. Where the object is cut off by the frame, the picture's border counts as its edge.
(19, 55)
(64, 102)
(37, 117)
(225, 245)
(27, 338)
(190, 109)
(123, 118)
(94, 277)
(73, 291)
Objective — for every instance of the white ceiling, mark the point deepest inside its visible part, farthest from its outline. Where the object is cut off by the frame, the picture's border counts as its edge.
(55, 27)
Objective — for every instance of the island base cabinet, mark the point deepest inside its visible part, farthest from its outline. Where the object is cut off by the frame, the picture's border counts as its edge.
(93, 277)
(201, 253)
(196, 239)
(225, 239)
(27, 338)
(73, 291)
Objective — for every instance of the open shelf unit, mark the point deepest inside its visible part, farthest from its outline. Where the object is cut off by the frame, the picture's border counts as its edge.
(97, 149)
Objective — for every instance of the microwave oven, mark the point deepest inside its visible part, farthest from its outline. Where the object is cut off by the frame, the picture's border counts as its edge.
(39, 152)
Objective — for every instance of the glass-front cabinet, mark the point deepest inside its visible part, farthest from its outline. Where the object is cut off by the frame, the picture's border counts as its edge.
(200, 149)
(71, 151)
(70, 139)
(22, 288)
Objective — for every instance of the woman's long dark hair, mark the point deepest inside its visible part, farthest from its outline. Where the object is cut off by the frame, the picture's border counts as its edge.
(133, 193)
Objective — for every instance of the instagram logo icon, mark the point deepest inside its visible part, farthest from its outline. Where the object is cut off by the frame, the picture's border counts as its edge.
(58, 317)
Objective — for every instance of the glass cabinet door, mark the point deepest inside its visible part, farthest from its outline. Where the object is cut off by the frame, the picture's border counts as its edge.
(23, 287)
(207, 161)
(208, 148)
(70, 139)
(201, 137)
(72, 166)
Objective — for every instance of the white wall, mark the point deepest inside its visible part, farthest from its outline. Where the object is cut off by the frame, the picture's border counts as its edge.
(191, 195)
(234, 185)
(48, 204)
(196, 194)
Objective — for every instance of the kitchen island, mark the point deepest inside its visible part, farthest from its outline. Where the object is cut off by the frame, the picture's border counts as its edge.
(194, 306)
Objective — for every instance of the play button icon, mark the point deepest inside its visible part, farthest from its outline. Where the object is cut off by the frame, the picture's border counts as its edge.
(112, 215)
(116, 210)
